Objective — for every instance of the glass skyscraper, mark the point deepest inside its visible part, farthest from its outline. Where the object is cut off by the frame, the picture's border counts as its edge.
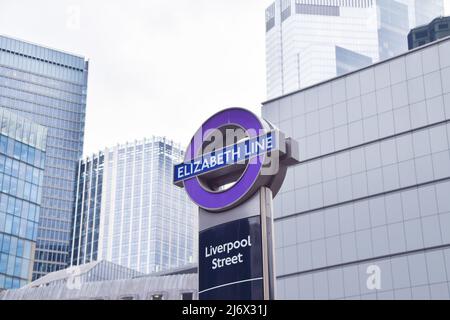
(129, 212)
(22, 160)
(308, 41)
(49, 87)
(86, 219)
(366, 214)
(397, 18)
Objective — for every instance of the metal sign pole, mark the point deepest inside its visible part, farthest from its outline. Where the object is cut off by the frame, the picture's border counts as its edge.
(236, 251)
(267, 243)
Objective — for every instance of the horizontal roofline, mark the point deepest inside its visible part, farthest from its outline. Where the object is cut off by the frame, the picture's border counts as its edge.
(429, 23)
(46, 47)
(155, 138)
(358, 70)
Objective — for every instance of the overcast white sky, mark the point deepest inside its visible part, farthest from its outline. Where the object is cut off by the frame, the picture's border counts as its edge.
(157, 67)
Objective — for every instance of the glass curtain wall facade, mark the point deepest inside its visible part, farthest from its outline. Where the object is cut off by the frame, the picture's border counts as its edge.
(437, 29)
(422, 12)
(302, 36)
(22, 161)
(49, 87)
(86, 221)
(129, 212)
(394, 27)
(398, 17)
(373, 185)
(305, 39)
(347, 61)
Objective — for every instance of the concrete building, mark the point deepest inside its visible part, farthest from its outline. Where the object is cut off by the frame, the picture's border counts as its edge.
(22, 163)
(129, 212)
(308, 41)
(366, 214)
(437, 29)
(49, 87)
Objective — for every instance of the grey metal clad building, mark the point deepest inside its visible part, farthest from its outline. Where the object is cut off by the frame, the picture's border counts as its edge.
(366, 214)
(49, 87)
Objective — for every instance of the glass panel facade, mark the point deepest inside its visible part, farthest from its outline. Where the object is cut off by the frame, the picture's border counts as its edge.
(373, 183)
(347, 61)
(22, 161)
(49, 87)
(88, 205)
(394, 26)
(301, 44)
(437, 29)
(398, 17)
(129, 212)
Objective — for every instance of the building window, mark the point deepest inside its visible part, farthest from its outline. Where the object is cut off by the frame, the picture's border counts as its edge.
(319, 10)
(270, 17)
(421, 34)
(285, 9)
(187, 296)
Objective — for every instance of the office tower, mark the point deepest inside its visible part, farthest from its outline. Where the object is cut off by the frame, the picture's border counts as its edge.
(437, 29)
(422, 12)
(397, 18)
(86, 218)
(366, 214)
(129, 212)
(22, 159)
(49, 87)
(308, 41)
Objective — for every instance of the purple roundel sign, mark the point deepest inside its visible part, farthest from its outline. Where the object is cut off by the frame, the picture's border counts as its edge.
(244, 187)
(233, 156)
